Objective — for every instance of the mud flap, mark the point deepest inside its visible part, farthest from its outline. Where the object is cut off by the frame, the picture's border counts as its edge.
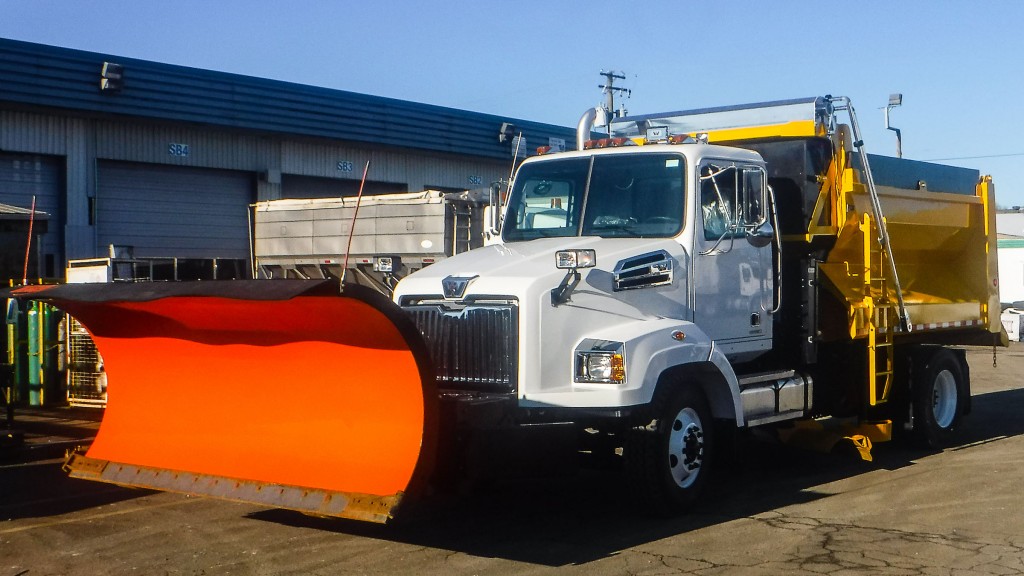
(279, 392)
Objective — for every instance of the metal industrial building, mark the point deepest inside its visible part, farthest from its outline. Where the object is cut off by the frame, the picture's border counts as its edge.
(167, 159)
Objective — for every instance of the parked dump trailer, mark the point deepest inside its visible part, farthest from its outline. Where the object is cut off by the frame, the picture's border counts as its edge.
(689, 273)
(387, 238)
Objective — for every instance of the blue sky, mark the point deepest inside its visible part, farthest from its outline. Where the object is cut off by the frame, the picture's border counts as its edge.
(959, 64)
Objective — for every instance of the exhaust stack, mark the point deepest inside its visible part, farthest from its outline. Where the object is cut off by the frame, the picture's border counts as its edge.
(596, 116)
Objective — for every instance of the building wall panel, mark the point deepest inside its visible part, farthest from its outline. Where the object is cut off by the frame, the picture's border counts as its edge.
(416, 169)
(178, 146)
(33, 133)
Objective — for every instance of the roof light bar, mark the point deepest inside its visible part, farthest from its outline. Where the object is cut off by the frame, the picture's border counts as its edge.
(608, 143)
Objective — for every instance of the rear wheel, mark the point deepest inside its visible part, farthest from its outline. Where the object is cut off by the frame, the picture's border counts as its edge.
(939, 397)
(668, 460)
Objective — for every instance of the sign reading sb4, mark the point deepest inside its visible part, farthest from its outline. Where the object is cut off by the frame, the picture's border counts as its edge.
(177, 149)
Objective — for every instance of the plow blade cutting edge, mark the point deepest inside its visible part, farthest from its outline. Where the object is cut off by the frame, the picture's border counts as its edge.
(278, 392)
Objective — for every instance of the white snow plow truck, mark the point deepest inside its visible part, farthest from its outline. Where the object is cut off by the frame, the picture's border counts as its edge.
(682, 274)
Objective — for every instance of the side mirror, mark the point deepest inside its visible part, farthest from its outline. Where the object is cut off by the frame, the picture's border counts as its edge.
(762, 235)
(495, 203)
(755, 199)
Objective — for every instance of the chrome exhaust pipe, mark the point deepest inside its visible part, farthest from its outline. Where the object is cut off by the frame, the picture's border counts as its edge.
(594, 116)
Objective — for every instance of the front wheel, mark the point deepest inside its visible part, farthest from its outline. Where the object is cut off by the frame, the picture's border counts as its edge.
(669, 459)
(939, 398)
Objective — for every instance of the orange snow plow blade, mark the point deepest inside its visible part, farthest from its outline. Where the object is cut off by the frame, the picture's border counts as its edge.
(277, 392)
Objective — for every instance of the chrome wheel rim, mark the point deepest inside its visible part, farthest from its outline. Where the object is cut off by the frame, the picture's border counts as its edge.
(944, 399)
(685, 447)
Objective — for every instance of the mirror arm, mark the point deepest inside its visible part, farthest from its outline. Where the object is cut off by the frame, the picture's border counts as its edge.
(563, 292)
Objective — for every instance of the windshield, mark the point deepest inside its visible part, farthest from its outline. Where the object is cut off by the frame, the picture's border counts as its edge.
(618, 195)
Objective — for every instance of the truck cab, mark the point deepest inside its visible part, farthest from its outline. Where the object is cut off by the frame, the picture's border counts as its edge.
(637, 257)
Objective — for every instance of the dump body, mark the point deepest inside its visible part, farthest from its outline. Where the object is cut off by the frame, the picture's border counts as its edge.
(944, 248)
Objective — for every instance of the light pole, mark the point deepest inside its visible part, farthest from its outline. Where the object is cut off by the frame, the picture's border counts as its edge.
(894, 101)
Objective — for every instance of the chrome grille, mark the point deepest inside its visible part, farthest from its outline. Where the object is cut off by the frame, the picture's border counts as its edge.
(473, 347)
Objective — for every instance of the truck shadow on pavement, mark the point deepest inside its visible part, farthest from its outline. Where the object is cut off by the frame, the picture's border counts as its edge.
(35, 489)
(588, 516)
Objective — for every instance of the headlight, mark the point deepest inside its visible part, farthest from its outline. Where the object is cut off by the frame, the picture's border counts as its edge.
(600, 361)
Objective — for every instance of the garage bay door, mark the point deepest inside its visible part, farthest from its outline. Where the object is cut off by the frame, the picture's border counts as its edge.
(296, 186)
(174, 211)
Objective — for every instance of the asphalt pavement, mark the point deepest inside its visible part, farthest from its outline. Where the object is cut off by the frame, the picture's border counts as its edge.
(775, 510)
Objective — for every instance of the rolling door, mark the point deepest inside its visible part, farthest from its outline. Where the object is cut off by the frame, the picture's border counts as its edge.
(23, 176)
(174, 211)
(296, 186)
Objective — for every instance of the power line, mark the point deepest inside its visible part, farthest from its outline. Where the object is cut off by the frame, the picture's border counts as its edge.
(974, 157)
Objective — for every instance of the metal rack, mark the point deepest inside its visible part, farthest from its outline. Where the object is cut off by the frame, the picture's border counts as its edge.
(86, 379)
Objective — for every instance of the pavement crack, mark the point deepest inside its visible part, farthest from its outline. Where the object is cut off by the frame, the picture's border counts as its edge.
(858, 549)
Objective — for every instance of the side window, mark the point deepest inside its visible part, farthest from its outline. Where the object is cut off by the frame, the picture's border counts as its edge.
(717, 198)
(731, 199)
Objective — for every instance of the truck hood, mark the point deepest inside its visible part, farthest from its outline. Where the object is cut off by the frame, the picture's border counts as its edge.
(523, 267)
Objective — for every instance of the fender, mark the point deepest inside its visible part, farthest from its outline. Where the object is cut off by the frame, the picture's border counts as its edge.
(695, 353)
(656, 347)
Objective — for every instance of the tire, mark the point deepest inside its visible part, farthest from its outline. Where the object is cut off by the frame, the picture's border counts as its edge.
(939, 396)
(668, 460)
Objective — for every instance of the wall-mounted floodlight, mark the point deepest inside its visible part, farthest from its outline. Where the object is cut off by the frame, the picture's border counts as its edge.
(506, 132)
(111, 77)
(894, 101)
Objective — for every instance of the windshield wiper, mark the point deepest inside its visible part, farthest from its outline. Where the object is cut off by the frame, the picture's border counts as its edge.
(627, 228)
(551, 232)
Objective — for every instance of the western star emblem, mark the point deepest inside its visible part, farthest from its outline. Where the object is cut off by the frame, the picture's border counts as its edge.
(455, 286)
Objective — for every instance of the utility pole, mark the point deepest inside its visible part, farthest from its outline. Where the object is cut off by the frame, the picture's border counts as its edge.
(610, 89)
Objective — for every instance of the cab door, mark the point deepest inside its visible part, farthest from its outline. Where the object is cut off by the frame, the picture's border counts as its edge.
(733, 280)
